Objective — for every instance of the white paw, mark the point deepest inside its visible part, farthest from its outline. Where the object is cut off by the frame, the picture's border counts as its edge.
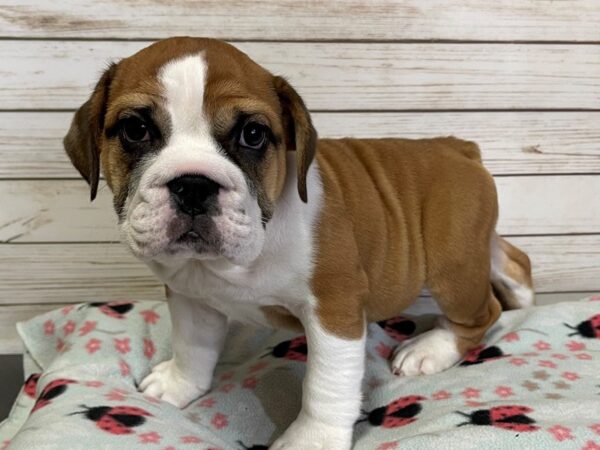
(168, 383)
(309, 434)
(428, 353)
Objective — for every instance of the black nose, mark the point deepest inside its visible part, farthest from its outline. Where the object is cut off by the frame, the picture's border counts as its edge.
(191, 193)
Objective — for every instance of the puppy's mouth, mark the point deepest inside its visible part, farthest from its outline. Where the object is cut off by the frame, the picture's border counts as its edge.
(191, 237)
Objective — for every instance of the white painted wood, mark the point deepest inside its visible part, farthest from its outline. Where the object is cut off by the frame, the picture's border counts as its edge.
(340, 76)
(60, 210)
(573, 20)
(66, 273)
(511, 142)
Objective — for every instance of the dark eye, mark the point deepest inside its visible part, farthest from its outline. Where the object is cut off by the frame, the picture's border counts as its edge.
(135, 130)
(253, 135)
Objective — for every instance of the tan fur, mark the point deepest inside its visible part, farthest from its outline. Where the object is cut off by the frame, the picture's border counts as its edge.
(280, 317)
(517, 267)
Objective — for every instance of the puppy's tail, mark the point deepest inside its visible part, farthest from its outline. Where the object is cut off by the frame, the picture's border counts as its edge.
(511, 275)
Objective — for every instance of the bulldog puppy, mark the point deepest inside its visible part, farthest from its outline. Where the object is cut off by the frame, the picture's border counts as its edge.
(222, 188)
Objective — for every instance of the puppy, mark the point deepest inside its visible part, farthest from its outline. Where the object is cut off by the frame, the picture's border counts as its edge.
(222, 188)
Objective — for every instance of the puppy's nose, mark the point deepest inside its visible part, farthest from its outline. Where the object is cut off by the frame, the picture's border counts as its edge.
(191, 192)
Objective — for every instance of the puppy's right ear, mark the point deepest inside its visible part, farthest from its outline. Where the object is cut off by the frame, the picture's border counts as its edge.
(82, 142)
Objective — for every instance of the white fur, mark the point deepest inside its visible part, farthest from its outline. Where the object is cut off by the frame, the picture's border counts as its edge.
(331, 395)
(191, 149)
(524, 295)
(426, 354)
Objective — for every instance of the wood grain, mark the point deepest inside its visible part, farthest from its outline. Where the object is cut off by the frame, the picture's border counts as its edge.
(574, 20)
(512, 142)
(341, 76)
(58, 273)
(60, 210)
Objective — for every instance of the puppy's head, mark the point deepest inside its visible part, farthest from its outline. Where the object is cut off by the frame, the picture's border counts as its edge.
(191, 136)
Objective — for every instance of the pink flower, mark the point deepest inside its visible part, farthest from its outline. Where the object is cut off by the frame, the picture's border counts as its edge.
(471, 393)
(116, 395)
(94, 383)
(583, 356)
(226, 376)
(504, 391)
(547, 363)
(258, 366)
(124, 368)
(591, 445)
(69, 327)
(93, 345)
(250, 383)
(227, 387)
(542, 345)
(441, 395)
(219, 421)
(596, 428)
(575, 346)
(190, 440)
(67, 309)
(559, 356)
(571, 376)
(595, 298)
(4, 445)
(87, 327)
(560, 433)
(149, 348)
(122, 345)
(510, 337)
(207, 402)
(473, 404)
(385, 351)
(388, 446)
(152, 437)
(517, 361)
(48, 327)
(150, 316)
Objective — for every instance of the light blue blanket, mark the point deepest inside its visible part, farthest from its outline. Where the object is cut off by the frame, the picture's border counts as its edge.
(534, 384)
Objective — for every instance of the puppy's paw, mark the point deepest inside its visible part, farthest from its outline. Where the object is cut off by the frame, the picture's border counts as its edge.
(428, 353)
(309, 434)
(168, 383)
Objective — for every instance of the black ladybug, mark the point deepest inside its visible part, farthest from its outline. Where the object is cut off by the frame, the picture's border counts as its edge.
(295, 349)
(588, 328)
(510, 417)
(51, 391)
(480, 354)
(398, 413)
(116, 419)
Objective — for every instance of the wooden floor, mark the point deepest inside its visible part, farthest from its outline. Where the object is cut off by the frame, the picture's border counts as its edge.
(522, 79)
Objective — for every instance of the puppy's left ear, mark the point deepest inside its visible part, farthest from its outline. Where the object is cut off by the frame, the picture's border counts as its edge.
(82, 142)
(300, 135)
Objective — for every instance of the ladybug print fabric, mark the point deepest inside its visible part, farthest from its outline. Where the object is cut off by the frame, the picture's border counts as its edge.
(532, 383)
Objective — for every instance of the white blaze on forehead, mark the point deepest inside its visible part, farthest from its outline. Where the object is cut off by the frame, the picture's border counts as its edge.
(183, 81)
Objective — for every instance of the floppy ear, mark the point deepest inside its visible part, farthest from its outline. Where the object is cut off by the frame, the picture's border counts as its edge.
(82, 141)
(300, 134)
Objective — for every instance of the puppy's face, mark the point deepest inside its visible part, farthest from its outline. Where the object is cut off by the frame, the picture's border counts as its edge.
(192, 138)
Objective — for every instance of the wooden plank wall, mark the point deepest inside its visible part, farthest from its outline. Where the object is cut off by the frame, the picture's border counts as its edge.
(521, 77)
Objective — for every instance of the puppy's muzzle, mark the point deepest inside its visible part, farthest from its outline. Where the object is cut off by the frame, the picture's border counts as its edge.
(193, 194)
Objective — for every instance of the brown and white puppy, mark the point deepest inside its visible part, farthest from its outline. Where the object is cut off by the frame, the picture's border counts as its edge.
(223, 189)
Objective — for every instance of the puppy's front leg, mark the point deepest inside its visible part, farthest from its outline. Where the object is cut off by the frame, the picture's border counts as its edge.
(331, 396)
(198, 336)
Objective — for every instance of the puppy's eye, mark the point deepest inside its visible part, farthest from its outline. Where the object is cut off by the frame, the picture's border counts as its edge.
(135, 130)
(253, 136)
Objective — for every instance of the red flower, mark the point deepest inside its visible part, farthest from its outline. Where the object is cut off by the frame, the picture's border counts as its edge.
(583, 356)
(207, 402)
(219, 421)
(227, 387)
(190, 440)
(510, 337)
(117, 395)
(388, 446)
(93, 345)
(591, 445)
(547, 363)
(94, 383)
(542, 345)
(560, 433)
(67, 309)
(124, 368)
(575, 346)
(596, 428)
(150, 316)
(152, 437)
(258, 366)
(87, 327)
(571, 376)
(48, 327)
(226, 376)
(504, 391)
(441, 395)
(250, 383)
(517, 361)
(149, 348)
(122, 345)
(471, 393)
(559, 356)
(69, 327)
